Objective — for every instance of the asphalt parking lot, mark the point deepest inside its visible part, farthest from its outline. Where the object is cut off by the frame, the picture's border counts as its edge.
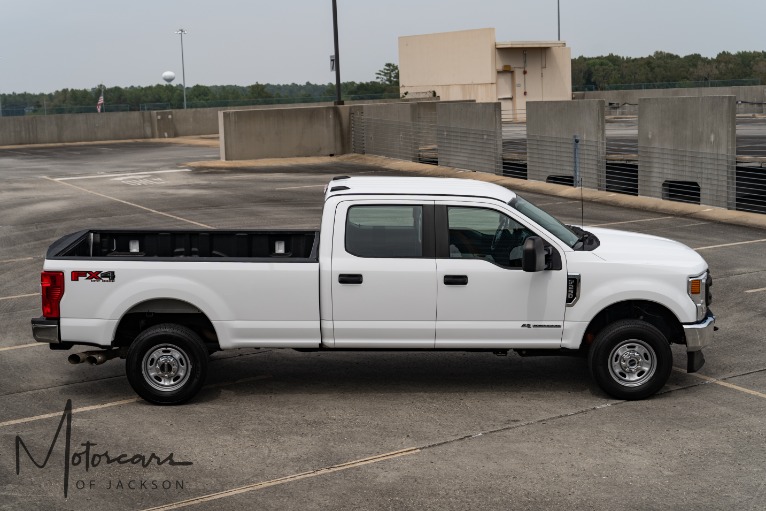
(278, 429)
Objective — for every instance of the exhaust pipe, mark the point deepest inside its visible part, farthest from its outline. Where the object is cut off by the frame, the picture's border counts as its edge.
(94, 357)
(77, 358)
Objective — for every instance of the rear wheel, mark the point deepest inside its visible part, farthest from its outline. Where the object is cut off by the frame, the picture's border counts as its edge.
(167, 364)
(630, 359)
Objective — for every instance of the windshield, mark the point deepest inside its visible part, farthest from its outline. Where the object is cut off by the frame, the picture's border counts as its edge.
(545, 220)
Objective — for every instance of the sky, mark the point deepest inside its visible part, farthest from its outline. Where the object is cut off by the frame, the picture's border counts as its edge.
(48, 45)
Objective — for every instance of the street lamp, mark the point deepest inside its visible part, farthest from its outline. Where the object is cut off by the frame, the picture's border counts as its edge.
(558, 13)
(181, 32)
(338, 101)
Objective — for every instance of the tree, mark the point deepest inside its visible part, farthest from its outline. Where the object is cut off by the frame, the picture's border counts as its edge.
(389, 75)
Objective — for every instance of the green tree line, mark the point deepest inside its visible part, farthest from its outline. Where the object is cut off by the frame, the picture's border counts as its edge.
(171, 96)
(661, 67)
(592, 73)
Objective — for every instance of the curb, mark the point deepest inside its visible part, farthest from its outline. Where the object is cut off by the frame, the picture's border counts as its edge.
(700, 212)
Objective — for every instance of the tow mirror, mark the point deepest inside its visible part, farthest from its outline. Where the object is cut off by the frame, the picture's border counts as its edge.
(534, 254)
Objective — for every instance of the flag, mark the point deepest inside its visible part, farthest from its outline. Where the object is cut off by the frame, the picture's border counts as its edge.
(100, 103)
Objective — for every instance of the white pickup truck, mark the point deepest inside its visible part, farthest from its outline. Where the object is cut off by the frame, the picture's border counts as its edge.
(399, 264)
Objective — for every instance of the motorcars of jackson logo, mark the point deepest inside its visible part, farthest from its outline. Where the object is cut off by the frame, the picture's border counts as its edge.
(88, 456)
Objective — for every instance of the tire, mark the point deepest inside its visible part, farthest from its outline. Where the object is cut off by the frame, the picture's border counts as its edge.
(167, 364)
(630, 359)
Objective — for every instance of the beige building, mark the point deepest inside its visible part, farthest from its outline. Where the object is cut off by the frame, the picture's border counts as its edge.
(470, 64)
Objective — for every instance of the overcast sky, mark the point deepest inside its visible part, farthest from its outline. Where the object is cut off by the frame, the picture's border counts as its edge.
(47, 45)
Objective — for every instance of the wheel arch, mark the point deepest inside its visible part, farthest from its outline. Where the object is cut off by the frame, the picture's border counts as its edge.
(654, 313)
(155, 311)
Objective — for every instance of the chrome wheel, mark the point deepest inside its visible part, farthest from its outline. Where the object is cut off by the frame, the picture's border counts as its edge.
(166, 367)
(632, 362)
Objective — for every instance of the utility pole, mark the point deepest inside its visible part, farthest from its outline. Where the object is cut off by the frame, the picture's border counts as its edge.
(338, 101)
(181, 32)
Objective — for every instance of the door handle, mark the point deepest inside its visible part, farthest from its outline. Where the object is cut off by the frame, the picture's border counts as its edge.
(456, 280)
(348, 278)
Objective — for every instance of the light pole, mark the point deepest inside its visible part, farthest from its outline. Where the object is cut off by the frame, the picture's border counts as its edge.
(558, 13)
(181, 32)
(338, 101)
(1, 99)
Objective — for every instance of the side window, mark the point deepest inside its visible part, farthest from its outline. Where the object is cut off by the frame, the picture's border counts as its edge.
(385, 231)
(478, 233)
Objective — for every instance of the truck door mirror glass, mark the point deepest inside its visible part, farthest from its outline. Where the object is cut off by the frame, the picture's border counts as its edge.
(534, 254)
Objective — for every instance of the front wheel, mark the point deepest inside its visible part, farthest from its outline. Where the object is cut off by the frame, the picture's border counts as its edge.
(167, 364)
(630, 359)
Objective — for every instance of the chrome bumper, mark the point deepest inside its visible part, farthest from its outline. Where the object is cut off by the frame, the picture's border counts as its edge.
(699, 335)
(46, 330)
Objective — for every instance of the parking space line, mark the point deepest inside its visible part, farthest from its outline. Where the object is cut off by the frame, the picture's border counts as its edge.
(74, 410)
(6, 348)
(731, 244)
(296, 187)
(553, 203)
(131, 204)
(634, 221)
(18, 296)
(722, 383)
(121, 402)
(287, 479)
(756, 290)
(16, 260)
(96, 176)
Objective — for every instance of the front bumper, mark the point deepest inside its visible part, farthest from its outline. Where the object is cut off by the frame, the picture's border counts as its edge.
(46, 330)
(700, 334)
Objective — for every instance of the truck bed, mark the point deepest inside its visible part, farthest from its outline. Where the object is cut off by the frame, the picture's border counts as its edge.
(195, 245)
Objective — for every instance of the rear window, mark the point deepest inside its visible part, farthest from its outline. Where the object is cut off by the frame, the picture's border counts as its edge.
(385, 231)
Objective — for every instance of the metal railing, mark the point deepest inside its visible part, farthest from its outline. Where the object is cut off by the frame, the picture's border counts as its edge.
(669, 85)
(618, 165)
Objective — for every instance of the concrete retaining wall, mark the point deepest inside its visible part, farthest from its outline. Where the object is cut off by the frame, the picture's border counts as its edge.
(285, 132)
(688, 139)
(52, 129)
(551, 127)
(469, 136)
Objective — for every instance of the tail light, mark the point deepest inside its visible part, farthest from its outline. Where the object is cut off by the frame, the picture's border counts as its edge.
(52, 285)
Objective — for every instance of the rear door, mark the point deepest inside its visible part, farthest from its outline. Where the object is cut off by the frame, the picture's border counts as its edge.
(485, 299)
(384, 274)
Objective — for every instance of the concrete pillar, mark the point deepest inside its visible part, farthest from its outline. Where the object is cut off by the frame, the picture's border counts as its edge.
(688, 139)
(163, 124)
(469, 136)
(551, 127)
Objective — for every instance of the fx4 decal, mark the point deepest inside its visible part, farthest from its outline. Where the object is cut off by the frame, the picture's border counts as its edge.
(93, 276)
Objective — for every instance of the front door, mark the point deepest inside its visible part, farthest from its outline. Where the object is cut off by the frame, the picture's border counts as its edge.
(384, 275)
(485, 299)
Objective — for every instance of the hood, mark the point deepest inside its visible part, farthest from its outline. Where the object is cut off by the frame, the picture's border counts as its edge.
(633, 247)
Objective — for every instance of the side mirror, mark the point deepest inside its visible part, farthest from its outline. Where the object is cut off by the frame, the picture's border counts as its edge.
(534, 254)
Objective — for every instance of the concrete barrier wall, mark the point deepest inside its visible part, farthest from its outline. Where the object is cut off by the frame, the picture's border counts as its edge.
(469, 136)
(690, 139)
(52, 129)
(282, 133)
(551, 127)
(750, 93)
(389, 131)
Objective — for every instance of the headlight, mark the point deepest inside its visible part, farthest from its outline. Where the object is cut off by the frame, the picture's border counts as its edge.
(697, 289)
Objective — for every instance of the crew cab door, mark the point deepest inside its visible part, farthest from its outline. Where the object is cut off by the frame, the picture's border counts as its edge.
(485, 299)
(383, 274)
